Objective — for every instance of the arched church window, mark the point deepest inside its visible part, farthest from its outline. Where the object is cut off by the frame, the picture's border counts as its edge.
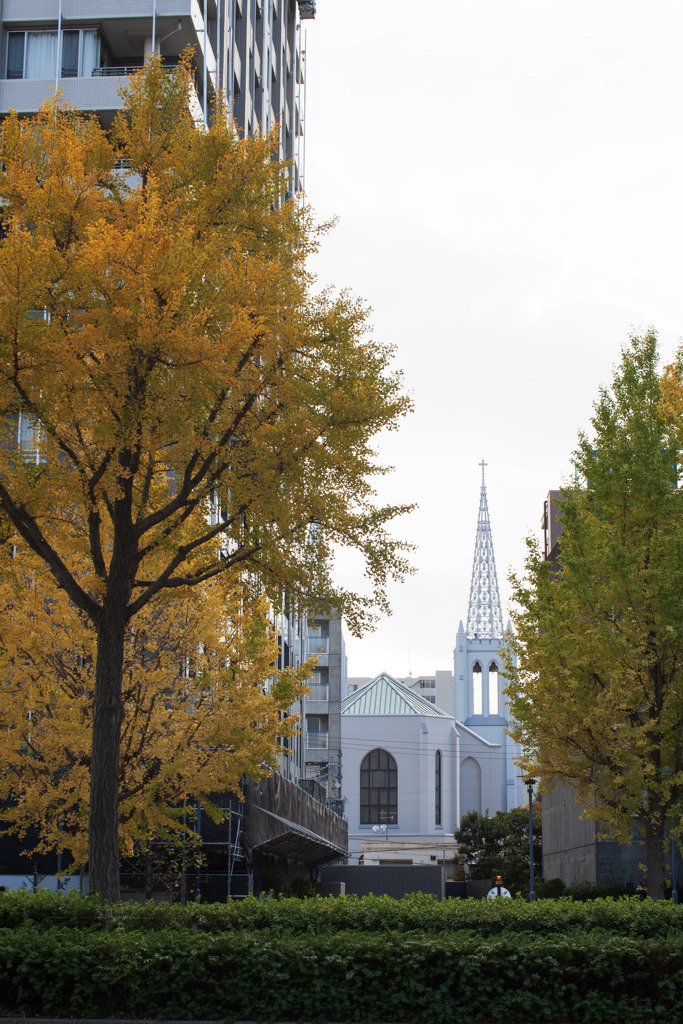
(477, 690)
(437, 788)
(378, 789)
(493, 688)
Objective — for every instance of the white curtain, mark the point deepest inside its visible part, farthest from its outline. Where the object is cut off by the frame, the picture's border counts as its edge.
(90, 53)
(41, 54)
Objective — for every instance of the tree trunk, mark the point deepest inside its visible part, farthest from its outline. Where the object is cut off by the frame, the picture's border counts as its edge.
(654, 844)
(103, 853)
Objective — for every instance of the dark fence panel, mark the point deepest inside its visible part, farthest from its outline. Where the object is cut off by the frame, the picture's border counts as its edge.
(387, 879)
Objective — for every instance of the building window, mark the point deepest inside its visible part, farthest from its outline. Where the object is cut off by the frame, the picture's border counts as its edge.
(317, 732)
(378, 789)
(34, 54)
(477, 690)
(493, 688)
(437, 788)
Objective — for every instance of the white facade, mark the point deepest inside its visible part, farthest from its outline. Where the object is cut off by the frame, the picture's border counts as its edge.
(386, 716)
(490, 780)
(464, 716)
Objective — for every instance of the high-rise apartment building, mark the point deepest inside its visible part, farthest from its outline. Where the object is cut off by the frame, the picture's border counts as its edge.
(249, 51)
(252, 52)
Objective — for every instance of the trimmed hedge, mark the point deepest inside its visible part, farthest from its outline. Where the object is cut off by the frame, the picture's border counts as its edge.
(628, 916)
(388, 976)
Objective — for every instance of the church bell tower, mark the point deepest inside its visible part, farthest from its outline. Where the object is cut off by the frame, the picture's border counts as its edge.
(489, 778)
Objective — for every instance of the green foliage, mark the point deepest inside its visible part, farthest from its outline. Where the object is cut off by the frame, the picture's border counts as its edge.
(416, 913)
(501, 844)
(424, 977)
(550, 888)
(597, 693)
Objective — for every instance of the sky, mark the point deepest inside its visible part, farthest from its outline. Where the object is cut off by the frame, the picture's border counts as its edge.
(508, 183)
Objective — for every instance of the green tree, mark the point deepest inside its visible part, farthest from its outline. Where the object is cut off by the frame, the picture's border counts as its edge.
(193, 406)
(597, 694)
(499, 845)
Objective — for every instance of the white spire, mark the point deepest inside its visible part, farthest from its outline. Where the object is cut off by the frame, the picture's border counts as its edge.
(484, 618)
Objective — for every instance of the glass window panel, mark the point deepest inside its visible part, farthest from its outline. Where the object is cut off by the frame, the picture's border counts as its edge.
(379, 788)
(41, 54)
(437, 788)
(91, 56)
(15, 55)
(70, 54)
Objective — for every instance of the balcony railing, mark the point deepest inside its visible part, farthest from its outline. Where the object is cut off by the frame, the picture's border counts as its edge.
(318, 644)
(316, 740)
(129, 69)
(319, 691)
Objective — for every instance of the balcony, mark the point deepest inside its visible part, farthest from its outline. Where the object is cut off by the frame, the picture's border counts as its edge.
(28, 94)
(318, 645)
(319, 691)
(100, 93)
(42, 11)
(316, 740)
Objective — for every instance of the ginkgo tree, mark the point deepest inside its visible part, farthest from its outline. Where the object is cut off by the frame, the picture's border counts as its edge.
(597, 693)
(197, 715)
(160, 336)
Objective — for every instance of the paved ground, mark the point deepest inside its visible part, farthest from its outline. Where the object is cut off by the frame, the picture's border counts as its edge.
(138, 1020)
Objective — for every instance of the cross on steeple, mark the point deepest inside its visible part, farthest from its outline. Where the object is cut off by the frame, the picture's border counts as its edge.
(484, 618)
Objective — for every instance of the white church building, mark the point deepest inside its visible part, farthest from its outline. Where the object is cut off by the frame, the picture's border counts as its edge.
(412, 768)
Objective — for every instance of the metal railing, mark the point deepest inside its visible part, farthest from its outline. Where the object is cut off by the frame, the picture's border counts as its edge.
(319, 691)
(123, 70)
(316, 740)
(318, 644)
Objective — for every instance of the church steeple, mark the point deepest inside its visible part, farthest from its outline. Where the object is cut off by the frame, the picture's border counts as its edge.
(484, 618)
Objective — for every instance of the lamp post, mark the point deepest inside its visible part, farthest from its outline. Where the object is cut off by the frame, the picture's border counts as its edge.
(674, 884)
(530, 783)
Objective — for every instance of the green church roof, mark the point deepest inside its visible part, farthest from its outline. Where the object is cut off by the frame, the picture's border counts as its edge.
(386, 696)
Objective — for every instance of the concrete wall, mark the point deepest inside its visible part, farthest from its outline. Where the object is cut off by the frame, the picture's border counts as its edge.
(569, 846)
(572, 851)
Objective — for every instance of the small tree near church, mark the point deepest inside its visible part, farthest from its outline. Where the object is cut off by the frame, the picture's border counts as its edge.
(597, 695)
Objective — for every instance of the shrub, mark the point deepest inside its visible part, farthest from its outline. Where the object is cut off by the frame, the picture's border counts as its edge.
(423, 978)
(417, 913)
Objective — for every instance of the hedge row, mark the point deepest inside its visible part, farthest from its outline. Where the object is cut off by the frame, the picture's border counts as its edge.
(423, 979)
(628, 916)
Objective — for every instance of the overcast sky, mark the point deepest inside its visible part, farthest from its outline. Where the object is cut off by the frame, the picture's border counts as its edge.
(508, 178)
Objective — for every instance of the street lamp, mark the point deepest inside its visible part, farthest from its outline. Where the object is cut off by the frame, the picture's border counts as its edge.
(674, 883)
(380, 828)
(530, 783)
